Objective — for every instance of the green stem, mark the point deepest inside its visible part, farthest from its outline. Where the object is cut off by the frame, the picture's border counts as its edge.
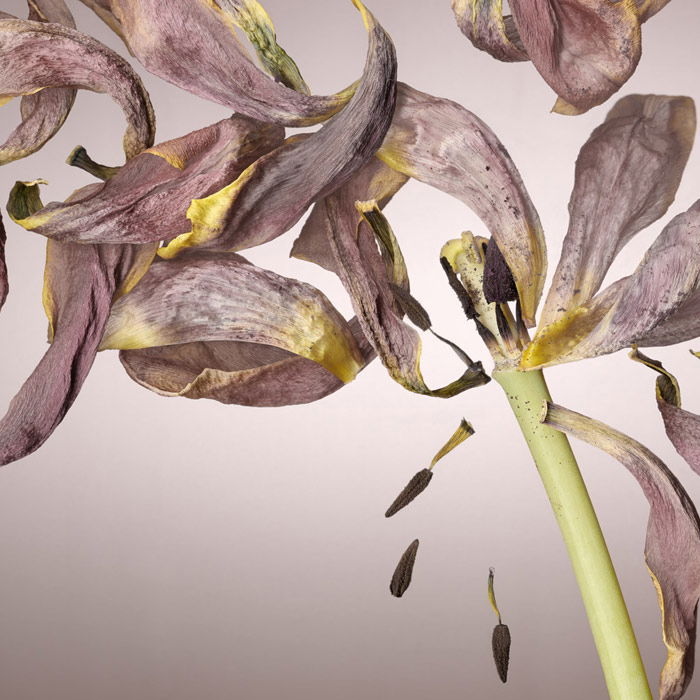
(607, 613)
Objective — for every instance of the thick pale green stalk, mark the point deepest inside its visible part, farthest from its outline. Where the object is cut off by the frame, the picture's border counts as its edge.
(600, 590)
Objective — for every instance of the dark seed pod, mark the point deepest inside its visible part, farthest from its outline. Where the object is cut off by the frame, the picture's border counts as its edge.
(415, 486)
(401, 579)
(500, 643)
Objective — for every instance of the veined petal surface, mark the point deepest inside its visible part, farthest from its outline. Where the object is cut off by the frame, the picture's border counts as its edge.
(37, 55)
(627, 174)
(44, 112)
(439, 142)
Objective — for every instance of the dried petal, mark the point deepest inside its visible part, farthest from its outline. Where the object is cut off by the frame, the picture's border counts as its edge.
(232, 372)
(80, 283)
(584, 49)
(251, 17)
(128, 208)
(653, 306)
(627, 174)
(375, 181)
(401, 579)
(418, 483)
(223, 298)
(192, 44)
(672, 547)
(44, 112)
(288, 180)
(482, 21)
(366, 278)
(682, 427)
(442, 144)
(36, 56)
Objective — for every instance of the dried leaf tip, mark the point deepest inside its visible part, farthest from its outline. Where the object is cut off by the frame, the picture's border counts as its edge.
(401, 579)
(500, 639)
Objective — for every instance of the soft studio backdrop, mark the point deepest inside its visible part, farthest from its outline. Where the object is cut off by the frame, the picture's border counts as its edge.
(171, 549)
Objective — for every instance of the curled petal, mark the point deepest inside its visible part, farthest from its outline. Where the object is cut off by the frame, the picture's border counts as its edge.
(191, 44)
(206, 298)
(682, 427)
(365, 275)
(672, 545)
(288, 180)
(375, 181)
(584, 49)
(80, 283)
(44, 112)
(648, 8)
(251, 17)
(147, 199)
(36, 55)
(103, 9)
(438, 142)
(662, 292)
(233, 372)
(627, 174)
(482, 21)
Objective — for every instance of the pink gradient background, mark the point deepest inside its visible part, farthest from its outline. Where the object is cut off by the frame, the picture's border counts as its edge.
(172, 549)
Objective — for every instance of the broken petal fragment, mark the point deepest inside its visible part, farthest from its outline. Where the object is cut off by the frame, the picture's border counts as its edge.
(43, 112)
(672, 547)
(37, 55)
(439, 142)
(482, 21)
(305, 168)
(584, 49)
(627, 174)
(130, 206)
(191, 44)
(682, 427)
(225, 298)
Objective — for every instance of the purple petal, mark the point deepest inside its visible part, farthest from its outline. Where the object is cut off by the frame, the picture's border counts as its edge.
(147, 200)
(627, 174)
(43, 113)
(672, 545)
(235, 372)
(204, 297)
(682, 427)
(288, 180)
(662, 293)
(482, 21)
(36, 55)
(190, 44)
(438, 142)
(584, 49)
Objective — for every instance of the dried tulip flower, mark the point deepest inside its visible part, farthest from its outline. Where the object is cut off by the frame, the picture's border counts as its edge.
(147, 260)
